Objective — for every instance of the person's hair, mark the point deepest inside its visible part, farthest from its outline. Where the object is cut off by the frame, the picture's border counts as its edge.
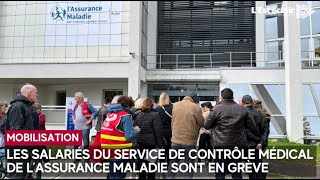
(107, 101)
(207, 104)
(37, 106)
(164, 99)
(257, 104)
(125, 101)
(26, 88)
(147, 105)
(3, 104)
(227, 93)
(115, 99)
(139, 103)
(79, 94)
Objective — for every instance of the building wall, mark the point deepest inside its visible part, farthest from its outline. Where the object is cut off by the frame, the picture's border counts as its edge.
(28, 33)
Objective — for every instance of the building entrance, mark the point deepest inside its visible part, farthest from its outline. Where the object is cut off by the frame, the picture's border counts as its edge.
(177, 91)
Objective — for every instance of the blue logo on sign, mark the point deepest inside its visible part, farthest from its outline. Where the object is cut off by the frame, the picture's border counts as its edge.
(58, 13)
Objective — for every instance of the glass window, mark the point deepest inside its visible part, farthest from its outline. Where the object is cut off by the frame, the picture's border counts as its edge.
(82, 41)
(158, 87)
(305, 48)
(305, 26)
(315, 3)
(317, 90)
(104, 29)
(71, 41)
(115, 40)
(303, 2)
(93, 28)
(72, 30)
(315, 22)
(183, 87)
(239, 90)
(274, 27)
(93, 40)
(277, 128)
(317, 46)
(309, 106)
(208, 87)
(104, 40)
(276, 92)
(61, 40)
(274, 54)
(313, 125)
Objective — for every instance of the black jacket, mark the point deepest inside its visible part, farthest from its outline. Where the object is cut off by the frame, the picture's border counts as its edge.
(21, 115)
(165, 119)
(151, 129)
(262, 127)
(229, 122)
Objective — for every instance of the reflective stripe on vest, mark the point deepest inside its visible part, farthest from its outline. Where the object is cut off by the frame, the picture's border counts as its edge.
(116, 138)
(116, 146)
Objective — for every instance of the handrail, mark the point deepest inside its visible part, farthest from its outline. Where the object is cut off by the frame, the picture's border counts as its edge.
(226, 59)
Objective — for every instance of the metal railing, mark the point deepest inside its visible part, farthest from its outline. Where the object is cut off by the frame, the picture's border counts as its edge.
(225, 59)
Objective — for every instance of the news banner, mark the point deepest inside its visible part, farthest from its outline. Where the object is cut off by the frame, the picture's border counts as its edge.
(28, 140)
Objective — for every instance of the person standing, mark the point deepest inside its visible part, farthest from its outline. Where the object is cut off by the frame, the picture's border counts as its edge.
(82, 118)
(117, 132)
(187, 120)
(137, 107)
(3, 109)
(165, 111)
(42, 117)
(205, 135)
(3, 118)
(101, 116)
(229, 121)
(20, 116)
(150, 135)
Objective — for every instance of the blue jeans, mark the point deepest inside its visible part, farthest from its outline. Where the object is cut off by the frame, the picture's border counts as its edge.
(116, 174)
(85, 138)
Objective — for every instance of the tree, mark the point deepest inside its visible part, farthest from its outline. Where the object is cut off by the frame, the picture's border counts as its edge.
(307, 129)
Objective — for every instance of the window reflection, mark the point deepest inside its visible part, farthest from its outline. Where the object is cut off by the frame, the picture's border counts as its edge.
(314, 125)
(274, 27)
(277, 94)
(305, 26)
(305, 48)
(274, 54)
(315, 21)
(315, 4)
(317, 46)
(239, 90)
(317, 91)
(308, 102)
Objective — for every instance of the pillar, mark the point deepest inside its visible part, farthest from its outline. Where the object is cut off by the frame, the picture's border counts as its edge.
(293, 74)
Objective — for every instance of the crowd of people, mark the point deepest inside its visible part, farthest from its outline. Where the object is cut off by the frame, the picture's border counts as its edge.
(123, 123)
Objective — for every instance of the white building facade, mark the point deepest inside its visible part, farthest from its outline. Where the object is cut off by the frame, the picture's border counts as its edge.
(140, 49)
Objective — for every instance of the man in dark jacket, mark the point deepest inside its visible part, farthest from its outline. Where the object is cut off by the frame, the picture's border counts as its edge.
(21, 116)
(229, 122)
(256, 141)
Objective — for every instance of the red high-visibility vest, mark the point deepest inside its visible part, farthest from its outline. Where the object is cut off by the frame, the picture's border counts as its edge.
(85, 110)
(111, 137)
